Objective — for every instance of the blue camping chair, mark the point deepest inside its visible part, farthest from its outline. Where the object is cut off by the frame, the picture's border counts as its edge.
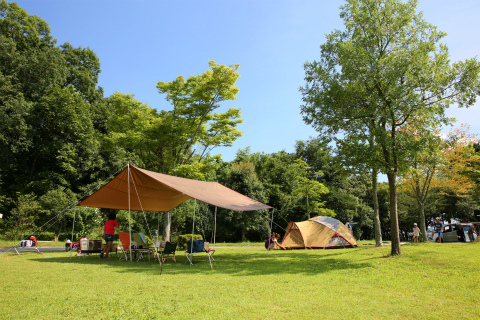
(197, 247)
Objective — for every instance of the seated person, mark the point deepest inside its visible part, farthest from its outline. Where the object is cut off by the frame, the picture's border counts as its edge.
(272, 242)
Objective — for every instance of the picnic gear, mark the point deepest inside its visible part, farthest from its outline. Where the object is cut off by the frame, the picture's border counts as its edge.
(199, 246)
(168, 251)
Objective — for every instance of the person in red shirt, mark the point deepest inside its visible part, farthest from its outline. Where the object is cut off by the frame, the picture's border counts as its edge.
(109, 231)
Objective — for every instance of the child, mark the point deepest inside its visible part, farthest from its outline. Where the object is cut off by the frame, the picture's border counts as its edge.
(109, 231)
(416, 232)
(272, 242)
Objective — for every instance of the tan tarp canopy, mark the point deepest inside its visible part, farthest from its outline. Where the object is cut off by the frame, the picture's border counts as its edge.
(152, 191)
(318, 232)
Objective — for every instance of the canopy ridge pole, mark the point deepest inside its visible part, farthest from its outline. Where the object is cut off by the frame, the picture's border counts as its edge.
(129, 222)
(201, 224)
(73, 228)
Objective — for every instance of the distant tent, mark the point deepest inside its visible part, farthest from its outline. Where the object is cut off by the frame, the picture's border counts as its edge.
(318, 232)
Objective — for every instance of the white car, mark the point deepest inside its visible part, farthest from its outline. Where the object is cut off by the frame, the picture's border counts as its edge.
(449, 233)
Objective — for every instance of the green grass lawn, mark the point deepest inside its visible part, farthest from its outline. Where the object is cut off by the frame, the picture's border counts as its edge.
(427, 281)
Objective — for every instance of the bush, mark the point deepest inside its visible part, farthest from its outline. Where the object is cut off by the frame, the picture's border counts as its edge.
(182, 240)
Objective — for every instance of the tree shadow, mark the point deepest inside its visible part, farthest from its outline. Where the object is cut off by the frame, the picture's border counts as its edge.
(231, 262)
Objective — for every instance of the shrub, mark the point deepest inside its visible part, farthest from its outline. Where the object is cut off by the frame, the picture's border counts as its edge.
(182, 240)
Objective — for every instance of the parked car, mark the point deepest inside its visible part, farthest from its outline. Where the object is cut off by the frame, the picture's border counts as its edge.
(450, 232)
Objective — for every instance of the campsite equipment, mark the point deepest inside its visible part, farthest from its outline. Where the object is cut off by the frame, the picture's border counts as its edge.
(142, 190)
(84, 244)
(196, 246)
(26, 243)
(168, 251)
(89, 246)
(129, 246)
(68, 245)
(34, 240)
(319, 232)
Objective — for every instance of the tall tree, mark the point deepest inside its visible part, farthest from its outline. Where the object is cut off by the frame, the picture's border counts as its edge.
(310, 190)
(192, 124)
(387, 67)
(178, 141)
(51, 111)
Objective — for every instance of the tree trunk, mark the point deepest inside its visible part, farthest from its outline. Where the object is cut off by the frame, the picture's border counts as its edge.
(394, 229)
(167, 223)
(244, 232)
(376, 214)
(423, 227)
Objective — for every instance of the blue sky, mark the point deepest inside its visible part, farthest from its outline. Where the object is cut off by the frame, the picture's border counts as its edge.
(142, 42)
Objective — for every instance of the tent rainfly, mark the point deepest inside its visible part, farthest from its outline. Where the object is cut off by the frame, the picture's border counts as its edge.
(146, 190)
(319, 232)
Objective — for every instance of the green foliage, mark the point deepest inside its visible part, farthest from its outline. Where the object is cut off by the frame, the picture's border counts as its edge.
(182, 240)
(254, 226)
(192, 121)
(22, 216)
(52, 116)
(310, 190)
(384, 72)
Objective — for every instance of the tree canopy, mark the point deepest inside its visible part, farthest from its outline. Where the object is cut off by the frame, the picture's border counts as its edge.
(387, 69)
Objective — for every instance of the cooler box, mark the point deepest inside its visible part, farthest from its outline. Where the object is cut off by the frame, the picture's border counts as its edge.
(84, 244)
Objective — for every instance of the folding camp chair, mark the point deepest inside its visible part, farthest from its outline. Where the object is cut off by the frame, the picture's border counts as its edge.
(124, 238)
(169, 250)
(140, 240)
(199, 246)
(127, 246)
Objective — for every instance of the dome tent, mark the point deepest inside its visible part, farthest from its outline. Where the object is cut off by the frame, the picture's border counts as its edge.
(319, 232)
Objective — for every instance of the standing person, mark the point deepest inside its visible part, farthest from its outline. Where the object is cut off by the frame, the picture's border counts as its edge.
(349, 225)
(437, 228)
(470, 232)
(109, 231)
(460, 233)
(416, 232)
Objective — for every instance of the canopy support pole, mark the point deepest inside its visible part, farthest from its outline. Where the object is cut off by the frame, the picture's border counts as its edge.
(193, 225)
(129, 222)
(215, 228)
(271, 231)
(73, 228)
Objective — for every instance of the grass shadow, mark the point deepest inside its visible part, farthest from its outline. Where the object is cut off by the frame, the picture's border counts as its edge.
(233, 262)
